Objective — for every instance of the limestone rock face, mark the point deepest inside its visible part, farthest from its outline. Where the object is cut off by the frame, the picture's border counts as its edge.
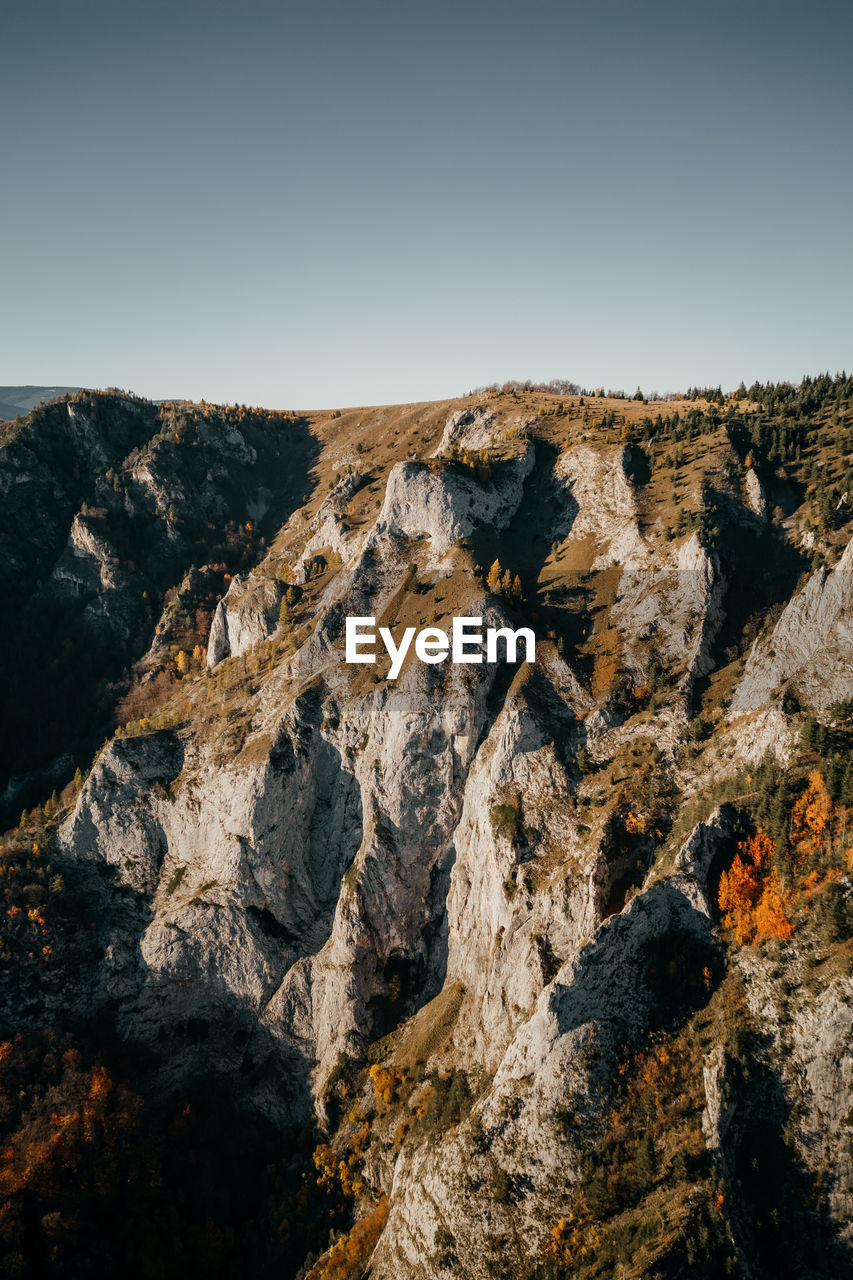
(768, 730)
(810, 650)
(118, 817)
(755, 497)
(669, 598)
(696, 857)
(813, 1047)
(472, 429)
(603, 997)
(822, 1066)
(241, 869)
(673, 603)
(445, 505)
(245, 616)
(89, 572)
(717, 1115)
(328, 527)
(601, 503)
(291, 878)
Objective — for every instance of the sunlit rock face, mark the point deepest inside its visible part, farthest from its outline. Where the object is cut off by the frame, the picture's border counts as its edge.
(507, 874)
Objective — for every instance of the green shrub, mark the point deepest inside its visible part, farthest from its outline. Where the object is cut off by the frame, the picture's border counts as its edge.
(506, 819)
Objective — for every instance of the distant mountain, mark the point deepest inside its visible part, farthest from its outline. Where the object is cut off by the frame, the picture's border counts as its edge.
(15, 401)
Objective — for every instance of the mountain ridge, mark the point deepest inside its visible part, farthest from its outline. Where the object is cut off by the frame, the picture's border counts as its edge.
(15, 402)
(459, 927)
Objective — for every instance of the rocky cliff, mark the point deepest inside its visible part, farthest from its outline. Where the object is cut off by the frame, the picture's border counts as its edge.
(471, 926)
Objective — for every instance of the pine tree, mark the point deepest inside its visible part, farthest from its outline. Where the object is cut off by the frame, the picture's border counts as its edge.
(847, 785)
(808, 732)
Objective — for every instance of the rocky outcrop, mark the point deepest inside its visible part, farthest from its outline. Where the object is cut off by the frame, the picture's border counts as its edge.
(118, 819)
(756, 500)
(606, 994)
(669, 600)
(472, 429)
(498, 917)
(328, 529)
(389, 916)
(601, 504)
(89, 573)
(240, 871)
(808, 1034)
(673, 606)
(443, 503)
(695, 859)
(51, 464)
(809, 652)
(749, 740)
(719, 1108)
(821, 1071)
(245, 616)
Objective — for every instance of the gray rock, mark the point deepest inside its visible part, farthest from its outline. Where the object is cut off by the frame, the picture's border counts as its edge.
(245, 616)
(809, 652)
(445, 505)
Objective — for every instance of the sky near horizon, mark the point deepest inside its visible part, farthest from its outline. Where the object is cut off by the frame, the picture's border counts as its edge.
(318, 203)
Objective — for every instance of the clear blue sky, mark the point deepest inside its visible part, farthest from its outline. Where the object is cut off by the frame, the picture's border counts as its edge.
(324, 203)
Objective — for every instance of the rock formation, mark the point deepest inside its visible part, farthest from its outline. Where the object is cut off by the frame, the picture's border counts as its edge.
(305, 875)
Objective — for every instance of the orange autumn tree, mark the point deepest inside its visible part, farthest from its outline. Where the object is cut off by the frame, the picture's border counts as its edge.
(575, 1236)
(811, 821)
(383, 1083)
(348, 1256)
(750, 893)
